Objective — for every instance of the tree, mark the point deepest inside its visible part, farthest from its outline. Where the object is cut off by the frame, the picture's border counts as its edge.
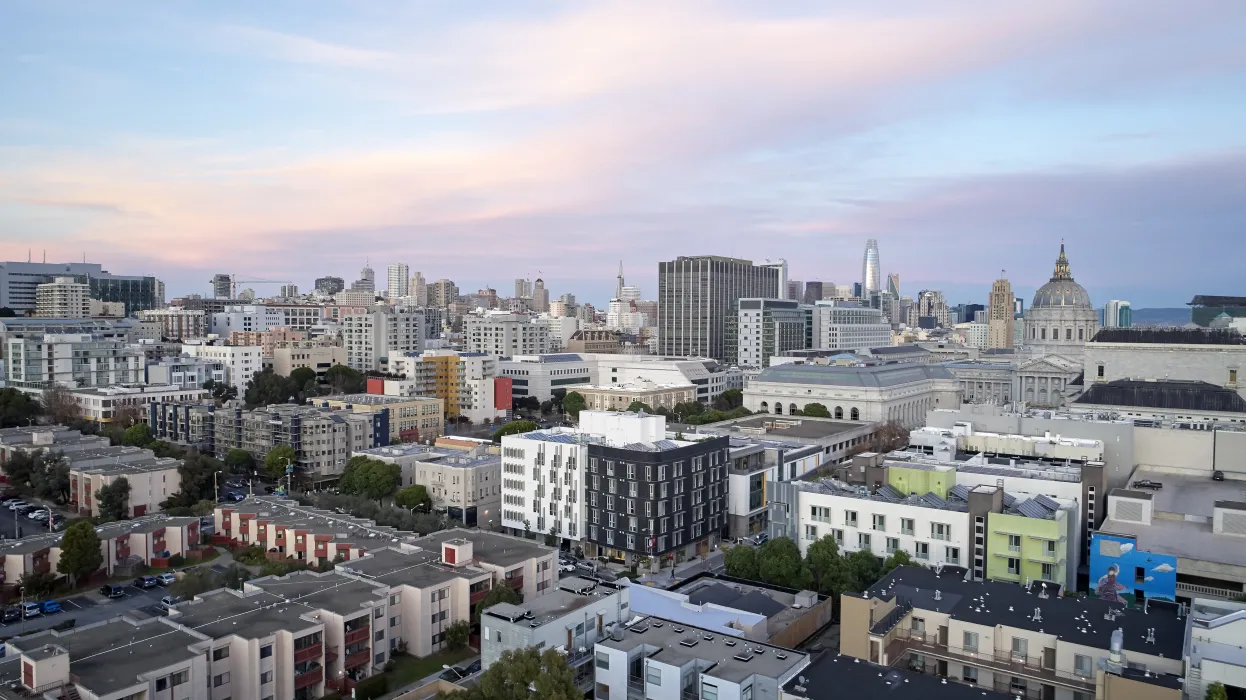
(372, 687)
(815, 410)
(198, 480)
(221, 391)
(267, 388)
(863, 569)
(547, 407)
(59, 405)
(128, 416)
(525, 674)
(500, 593)
(414, 496)
(688, 409)
(574, 403)
(200, 579)
(830, 573)
(18, 408)
(457, 634)
(301, 375)
(635, 406)
(80, 551)
(551, 537)
(741, 562)
(889, 436)
(50, 477)
(370, 478)
(136, 436)
(728, 400)
(897, 558)
(779, 563)
(278, 459)
(344, 380)
(239, 461)
(1217, 691)
(514, 427)
(162, 448)
(114, 499)
(36, 585)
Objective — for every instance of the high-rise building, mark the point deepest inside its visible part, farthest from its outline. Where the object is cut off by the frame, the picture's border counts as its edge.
(289, 291)
(222, 286)
(618, 284)
(813, 292)
(418, 289)
(781, 266)
(63, 297)
(1117, 314)
(399, 281)
(795, 290)
(523, 288)
(871, 272)
(630, 293)
(540, 296)
(932, 311)
(694, 299)
(758, 329)
(504, 334)
(380, 333)
(1000, 314)
(330, 285)
(366, 281)
(846, 326)
(441, 293)
(858, 290)
(893, 285)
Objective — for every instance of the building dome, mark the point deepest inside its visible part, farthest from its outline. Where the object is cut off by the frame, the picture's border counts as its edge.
(1061, 290)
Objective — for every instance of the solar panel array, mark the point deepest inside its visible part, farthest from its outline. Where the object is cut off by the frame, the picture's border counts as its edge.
(1031, 509)
(564, 357)
(960, 491)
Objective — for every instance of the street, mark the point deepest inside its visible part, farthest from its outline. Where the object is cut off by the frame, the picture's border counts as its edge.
(91, 607)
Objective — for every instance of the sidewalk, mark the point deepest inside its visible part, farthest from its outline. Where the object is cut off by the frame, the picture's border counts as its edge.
(668, 578)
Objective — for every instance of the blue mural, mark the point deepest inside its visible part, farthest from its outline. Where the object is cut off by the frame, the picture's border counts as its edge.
(1119, 571)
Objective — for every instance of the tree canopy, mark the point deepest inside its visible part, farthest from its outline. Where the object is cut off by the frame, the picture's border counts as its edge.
(277, 459)
(59, 405)
(370, 478)
(45, 474)
(137, 435)
(635, 406)
(80, 551)
(728, 400)
(779, 563)
(823, 568)
(114, 499)
(500, 593)
(414, 496)
(524, 674)
(741, 562)
(344, 380)
(239, 461)
(573, 403)
(221, 391)
(18, 408)
(199, 480)
(514, 427)
(268, 387)
(815, 410)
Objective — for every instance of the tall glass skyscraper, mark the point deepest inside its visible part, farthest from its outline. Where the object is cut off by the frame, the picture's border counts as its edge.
(871, 273)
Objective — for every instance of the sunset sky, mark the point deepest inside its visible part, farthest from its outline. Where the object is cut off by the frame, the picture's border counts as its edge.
(482, 141)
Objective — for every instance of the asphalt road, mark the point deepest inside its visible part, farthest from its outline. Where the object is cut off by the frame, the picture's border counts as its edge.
(24, 526)
(89, 608)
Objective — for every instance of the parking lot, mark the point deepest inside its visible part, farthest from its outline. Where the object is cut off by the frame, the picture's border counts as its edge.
(91, 607)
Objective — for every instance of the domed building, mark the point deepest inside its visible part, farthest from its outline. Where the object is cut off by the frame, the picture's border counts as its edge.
(1061, 319)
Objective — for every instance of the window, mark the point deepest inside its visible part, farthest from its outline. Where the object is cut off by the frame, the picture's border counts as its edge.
(839, 537)
(162, 684)
(863, 540)
(1232, 376)
(395, 621)
(850, 518)
(906, 526)
(970, 641)
(1050, 548)
(380, 659)
(1099, 372)
(378, 613)
(893, 544)
(603, 661)
(1083, 666)
(378, 635)
(179, 678)
(1014, 567)
(746, 693)
(918, 627)
(952, 555)
(811, 532)
(880, 522)
(708, 692)
(266, 677)
(940, 531)
(1020, 648)
(969, 674)
(393, 599)
(922, 550)
(653, 675)
(1014, 543)
(220, 653)
(266, 651)
(220, 680)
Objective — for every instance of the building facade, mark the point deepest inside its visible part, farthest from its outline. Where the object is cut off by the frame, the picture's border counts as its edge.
(1061, 319)
(186, 372)
(370, 337)
(1000, 314)
(871, 270)
(241, 361)
(840, 326)
(398, 282)
(504, 334)
(694, 300)
(71, 359)
(901, 393)
(63, 297)
(758, 329)
(617, 397)
(178, 324)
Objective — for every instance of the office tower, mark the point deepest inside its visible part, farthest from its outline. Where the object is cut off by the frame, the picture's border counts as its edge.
(630, 293)
(399, 281)
(849, 327)
(813, 292)
(330, 285)
(19, 281)
(871, 275)
(523, 289)
(380, 332)
(540, 296)
(568, 299)
(417, 289)
(781, 266)
(618, 284)
(289, 291)
(858, 290)
(366, 281)
(222, 286)
(932, 310)
(441, 293)
(1000, 313)
(795, 290)
(63, 297)
(758, 329)
(1018, 310)
(694, 298)
(1117, 314)
(893, 285)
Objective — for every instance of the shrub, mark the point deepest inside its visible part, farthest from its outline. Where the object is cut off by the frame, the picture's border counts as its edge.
(373, 687)
(177, 560)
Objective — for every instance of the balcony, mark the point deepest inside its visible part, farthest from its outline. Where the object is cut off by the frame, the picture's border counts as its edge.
(478, 596)
(310, 653)
(331, 654)
(1030, 667)
(360, 635)
(309, 677)
(362, 658)
(515, 582)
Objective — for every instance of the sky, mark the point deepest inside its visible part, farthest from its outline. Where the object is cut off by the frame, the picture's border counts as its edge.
(491, 140)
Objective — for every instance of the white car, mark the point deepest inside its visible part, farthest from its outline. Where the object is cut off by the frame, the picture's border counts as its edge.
(17, 504)
(566, 567)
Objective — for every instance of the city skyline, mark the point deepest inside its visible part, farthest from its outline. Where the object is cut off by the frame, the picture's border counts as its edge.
(292, 145)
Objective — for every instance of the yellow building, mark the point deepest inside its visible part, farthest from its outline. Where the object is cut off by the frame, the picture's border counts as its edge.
(410, 417)
(617, 397)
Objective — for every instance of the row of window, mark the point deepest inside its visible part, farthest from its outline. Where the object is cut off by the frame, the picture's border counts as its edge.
(921, 550)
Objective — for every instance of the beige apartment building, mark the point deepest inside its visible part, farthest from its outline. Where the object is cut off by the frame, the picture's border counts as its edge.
(318, 359)
(152, 481)
(410, 417)
(467, 485)
(617, 397)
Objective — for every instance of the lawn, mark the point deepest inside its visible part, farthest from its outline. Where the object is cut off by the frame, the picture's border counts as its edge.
(408, 669)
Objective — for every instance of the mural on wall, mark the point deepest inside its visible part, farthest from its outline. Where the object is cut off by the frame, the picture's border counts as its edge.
(1121, 573)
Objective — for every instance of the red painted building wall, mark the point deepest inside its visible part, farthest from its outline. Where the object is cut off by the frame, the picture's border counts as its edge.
(502, 393)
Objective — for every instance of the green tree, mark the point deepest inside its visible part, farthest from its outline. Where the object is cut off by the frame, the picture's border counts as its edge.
(200, 579)
(830, 573)
(863, 568)
(527, 674)
(1217, 691)
(267, 388)
(114, 500)
(688, 409)
(897, 558)
(547, 407)
(221, 391)
(728, 400)
(551, 537)
(277, 460)
(301, 375)
(344, 380)
(500, 593)
(815, 410)
(457, 635)
(137, 435)
(573, 403)
(414, 496)
(370, 478)
(239, 461)
(50, 477)
(635, 406)
(514, 427)
(21, 467)
(162, 448)
(80, 552)
(199, 478)
(235, 576)
(37, 585)
(779, 563)
(18, 409)
(741, 562)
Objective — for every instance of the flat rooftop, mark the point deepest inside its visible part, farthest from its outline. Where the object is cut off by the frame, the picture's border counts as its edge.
(402, 449)
(155, 464)
(983, 464)
(873, 682)
(44, 540)
(799, 427)
(555, 604)
(371, 399)
(332, 591)
(490, 547)
(109, 656)
(730, 658)
(1185, 495)
(253, 615)
(1075, 619)
(317, 521)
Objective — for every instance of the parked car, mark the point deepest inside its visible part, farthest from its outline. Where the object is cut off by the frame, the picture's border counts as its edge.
(165, 579)
(761, 538)
(37, 515)
(585, 566)
(110, 591)
(566, 567)
(169, 601)
(50, 606)
(11, 614)
(30, 610)
(145, 582)
(14, 505)
(1217, 475)
(10, 499)
(1147, 484)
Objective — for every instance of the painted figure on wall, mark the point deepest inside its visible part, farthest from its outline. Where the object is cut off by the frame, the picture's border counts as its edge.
(1109, 588)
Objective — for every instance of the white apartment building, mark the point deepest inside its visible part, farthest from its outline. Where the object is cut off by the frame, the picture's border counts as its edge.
(845, 327)
(539, 375)
(1213, 647)
(976, 333)
(505, 334)
(245, 318)
(543, 483)
(398, 281)
(102, 403)
(241, 361)
(178, 324)
(63, 297)
(186, 372)
(70, 359)
(379, 333)
(620, 316)
(558, 330)
(299, 317)
(466, 381)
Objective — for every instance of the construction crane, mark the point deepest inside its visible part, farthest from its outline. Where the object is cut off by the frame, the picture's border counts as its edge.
(235, 279)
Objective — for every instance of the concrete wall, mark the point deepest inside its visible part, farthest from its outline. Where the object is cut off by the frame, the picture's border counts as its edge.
(854, 626)
(1181, 451)
(1207, 363)
(1230, 453)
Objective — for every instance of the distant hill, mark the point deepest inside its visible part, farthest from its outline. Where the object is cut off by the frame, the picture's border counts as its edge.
(1162, 317)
